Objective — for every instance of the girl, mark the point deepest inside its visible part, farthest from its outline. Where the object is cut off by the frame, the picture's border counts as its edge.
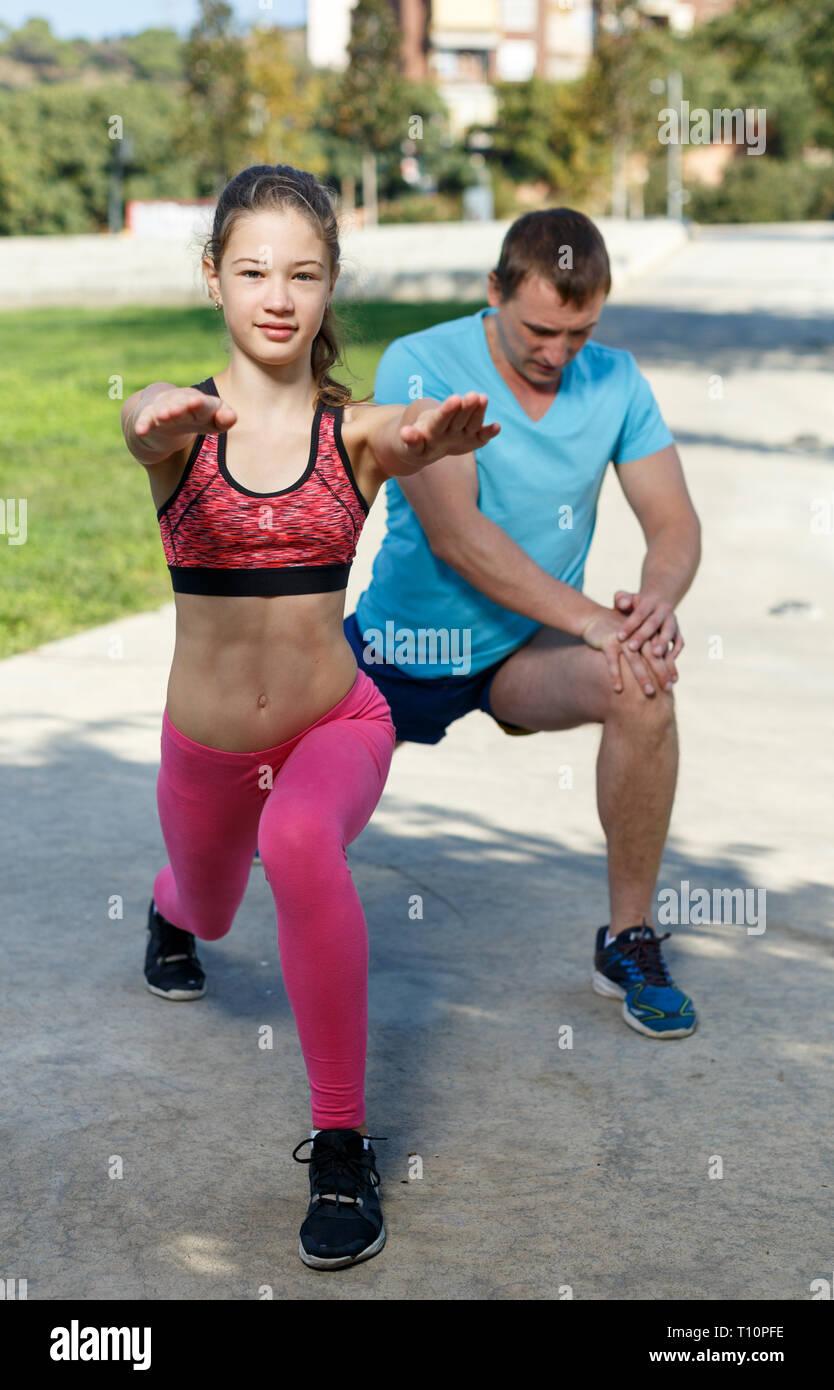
(271, 737)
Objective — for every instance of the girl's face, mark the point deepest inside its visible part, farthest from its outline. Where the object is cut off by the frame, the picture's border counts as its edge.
(274, 274)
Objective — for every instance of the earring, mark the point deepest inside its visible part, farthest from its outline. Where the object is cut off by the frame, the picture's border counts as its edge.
(217, 304)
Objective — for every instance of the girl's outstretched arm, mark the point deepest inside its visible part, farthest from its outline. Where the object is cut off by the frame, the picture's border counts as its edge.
(403, 439)
(159, 420)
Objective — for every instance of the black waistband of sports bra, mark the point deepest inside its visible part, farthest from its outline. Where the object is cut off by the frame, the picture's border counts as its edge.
(288, 579)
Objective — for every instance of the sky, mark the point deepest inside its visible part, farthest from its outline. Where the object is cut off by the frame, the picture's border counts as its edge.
(97, 19)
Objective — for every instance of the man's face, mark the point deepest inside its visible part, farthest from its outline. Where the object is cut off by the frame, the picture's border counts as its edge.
(539, 332)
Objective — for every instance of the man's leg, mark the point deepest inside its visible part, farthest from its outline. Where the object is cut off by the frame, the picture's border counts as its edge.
(557, 682)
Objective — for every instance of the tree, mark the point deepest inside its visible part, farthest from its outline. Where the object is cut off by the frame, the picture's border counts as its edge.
(760, 54)
(284, 99)
(815, 48)
(370, 106)
(34, 42)
(767, 54)
(50, 183)
(424, 136)
(156, 54)
(543, 131)
(218, 89)
(630, 53)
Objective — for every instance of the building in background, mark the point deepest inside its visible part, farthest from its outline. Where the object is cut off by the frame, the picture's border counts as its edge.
(328, 31)
(474, 45)
(466, 46)
(673, 14)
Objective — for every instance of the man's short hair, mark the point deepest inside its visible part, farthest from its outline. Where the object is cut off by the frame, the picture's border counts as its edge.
(559, 245)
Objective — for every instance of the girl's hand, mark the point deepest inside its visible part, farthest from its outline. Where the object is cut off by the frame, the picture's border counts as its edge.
(175, 416)
(456, 426)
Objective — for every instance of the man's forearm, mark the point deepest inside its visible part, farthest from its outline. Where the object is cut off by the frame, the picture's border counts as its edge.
(671, 561)
(488, 559)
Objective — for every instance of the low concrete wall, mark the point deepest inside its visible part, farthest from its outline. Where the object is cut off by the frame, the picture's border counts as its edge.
(417, 261)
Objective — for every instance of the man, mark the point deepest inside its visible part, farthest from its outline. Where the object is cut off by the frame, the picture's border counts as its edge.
(486, 553)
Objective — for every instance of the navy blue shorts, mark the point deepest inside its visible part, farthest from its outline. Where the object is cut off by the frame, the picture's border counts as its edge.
(422, 710)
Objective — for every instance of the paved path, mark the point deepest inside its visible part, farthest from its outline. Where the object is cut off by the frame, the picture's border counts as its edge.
(410, 261)
(542, 1166)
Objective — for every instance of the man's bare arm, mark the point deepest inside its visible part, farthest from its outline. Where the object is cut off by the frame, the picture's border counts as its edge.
(445, 498)
(656, 491)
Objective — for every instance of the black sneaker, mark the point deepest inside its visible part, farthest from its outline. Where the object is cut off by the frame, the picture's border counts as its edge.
(343, 1224)
(172, 969)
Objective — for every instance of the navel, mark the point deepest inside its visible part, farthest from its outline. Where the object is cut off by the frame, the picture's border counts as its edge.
(261, 700)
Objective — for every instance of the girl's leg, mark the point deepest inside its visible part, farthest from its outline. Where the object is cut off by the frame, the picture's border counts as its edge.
(321, 799)
(209, 802)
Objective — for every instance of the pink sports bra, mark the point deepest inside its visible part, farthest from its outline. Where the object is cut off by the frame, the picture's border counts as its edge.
(222, 538)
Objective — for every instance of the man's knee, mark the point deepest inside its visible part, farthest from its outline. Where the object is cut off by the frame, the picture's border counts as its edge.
(633, 706)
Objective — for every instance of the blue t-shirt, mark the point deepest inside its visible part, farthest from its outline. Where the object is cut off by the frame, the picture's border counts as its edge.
(538, 480)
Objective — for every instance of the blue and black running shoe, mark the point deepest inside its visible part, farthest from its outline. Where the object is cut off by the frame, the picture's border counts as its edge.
(631, 968)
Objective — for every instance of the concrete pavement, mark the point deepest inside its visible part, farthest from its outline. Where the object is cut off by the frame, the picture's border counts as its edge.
(543, 1166)
(414, 261)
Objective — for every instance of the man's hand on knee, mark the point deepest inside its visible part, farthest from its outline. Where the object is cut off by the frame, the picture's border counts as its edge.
(651, 672)
(649, 621)
(662, 665)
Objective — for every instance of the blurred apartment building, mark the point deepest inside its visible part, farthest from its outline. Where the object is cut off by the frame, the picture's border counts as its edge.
(467, 45)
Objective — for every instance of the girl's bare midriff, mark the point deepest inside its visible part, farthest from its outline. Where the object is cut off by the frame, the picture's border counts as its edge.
(251, 672)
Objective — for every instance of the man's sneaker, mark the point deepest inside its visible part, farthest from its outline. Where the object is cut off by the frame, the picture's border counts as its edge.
(343, 1224)
(172, 969)
(631, 968)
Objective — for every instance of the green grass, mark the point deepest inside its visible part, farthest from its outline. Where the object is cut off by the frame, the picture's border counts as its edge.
(93, 551)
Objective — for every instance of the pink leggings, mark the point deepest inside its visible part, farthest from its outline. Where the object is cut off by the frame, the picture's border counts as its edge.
(301, 802)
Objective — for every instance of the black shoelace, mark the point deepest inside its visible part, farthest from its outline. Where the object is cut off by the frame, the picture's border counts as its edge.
(645, 952)
(331, 1161)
